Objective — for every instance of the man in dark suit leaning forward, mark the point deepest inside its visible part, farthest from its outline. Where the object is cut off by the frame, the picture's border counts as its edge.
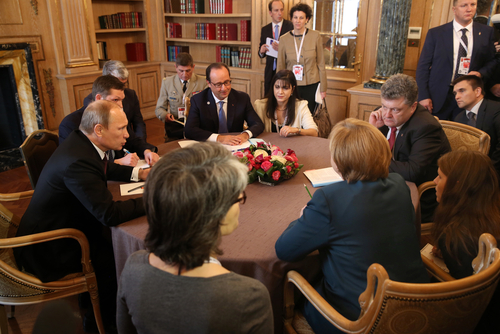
(219, 110)
(72, 193)
(479, 112)
(416, 138)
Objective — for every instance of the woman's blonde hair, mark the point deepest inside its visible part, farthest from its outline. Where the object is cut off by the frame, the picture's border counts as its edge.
(360, 151)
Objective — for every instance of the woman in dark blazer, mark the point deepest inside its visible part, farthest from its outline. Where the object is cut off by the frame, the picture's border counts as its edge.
(367, 218)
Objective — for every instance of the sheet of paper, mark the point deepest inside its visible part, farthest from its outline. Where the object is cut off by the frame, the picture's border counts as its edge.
(251, 141)
(127, 188)
(322, 177)
(427, 252)
(186, 143)
(271, 52)
(142, 164)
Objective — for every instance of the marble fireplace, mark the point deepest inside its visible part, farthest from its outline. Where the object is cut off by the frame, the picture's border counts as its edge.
(20, 111)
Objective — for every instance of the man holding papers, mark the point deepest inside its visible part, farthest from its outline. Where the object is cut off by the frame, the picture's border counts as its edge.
(272, 31)
(72, 193)
(219, 110)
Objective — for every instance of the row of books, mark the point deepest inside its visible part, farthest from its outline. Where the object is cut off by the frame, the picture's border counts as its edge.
(198, 6)
(121, 21)
(174, 50)
(217, 31)
(174, 30)
(245, 30)
(234, 56)
(136, 51)
(102, 51)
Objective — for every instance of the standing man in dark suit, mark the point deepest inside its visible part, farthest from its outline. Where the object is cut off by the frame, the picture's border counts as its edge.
(274, 30)
(479, 112)
(219, 110)
(110, 88)
(415, 137)
(72, 193)
(131, 105)
(456, 48)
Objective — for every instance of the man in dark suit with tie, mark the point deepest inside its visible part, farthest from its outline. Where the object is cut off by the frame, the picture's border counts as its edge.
(72, 193)
(110, 88)
(416, 138)
(219, 110)
(456, 48)
(479, 112)
(273, 30)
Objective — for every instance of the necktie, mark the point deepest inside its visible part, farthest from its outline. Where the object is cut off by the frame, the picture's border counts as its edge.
(222, 118)
(184, 87)
(105, 160)
(472, 119)
(392, 138)
(462, 52)
(276, 37)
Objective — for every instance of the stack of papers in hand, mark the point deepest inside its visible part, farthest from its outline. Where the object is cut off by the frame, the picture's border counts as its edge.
(427, 252)
(322, 177)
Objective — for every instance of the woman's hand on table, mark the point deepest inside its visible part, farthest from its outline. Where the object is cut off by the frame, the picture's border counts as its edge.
(287, 131)
(151, 157)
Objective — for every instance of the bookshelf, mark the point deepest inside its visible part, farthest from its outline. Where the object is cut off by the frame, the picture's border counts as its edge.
(116, 39)
(204, 51)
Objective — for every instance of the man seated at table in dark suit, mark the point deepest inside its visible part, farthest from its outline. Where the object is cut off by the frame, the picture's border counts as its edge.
(479, 112)
(110, 88)
(415, 137)
(72, 193)
(219, 110)
(131, 105)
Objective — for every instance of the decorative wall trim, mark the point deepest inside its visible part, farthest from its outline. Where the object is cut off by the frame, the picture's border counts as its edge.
(49, 84)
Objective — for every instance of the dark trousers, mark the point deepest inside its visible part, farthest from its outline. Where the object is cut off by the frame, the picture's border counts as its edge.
(449, 109)
(308, 93)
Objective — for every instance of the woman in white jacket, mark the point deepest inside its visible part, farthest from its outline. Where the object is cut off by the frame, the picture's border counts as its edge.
(282, 110)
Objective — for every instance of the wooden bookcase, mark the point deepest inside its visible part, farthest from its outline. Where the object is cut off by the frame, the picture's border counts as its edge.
(117, 38)
(204, 51)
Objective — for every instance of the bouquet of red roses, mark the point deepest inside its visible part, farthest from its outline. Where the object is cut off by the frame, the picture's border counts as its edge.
(268, 163)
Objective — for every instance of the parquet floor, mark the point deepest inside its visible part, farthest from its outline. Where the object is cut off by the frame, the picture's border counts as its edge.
(17, 180)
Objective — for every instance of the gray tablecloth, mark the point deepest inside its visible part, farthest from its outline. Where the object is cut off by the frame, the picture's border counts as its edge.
(249, 250)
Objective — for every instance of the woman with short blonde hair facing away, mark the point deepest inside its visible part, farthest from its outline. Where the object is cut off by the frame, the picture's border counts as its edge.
(367, 218)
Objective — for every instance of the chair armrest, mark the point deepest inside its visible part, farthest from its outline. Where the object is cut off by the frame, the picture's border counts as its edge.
(424, 187)
(487, 248)
(436, 271)
(16, 196)
(50, 236)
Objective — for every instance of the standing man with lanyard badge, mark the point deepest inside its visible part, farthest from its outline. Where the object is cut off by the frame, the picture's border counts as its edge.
(273, 30)
(305, 58)
(454, 49)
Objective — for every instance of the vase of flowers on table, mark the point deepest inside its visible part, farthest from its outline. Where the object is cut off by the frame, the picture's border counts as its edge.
(268, 164)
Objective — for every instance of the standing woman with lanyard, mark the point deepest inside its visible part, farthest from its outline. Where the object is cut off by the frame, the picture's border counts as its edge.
(301, 51)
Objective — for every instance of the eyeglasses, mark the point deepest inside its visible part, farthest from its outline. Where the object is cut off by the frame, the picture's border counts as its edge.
(242, 199)
(219, 84)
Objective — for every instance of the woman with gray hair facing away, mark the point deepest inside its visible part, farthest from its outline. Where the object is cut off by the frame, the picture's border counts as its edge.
(177, 285)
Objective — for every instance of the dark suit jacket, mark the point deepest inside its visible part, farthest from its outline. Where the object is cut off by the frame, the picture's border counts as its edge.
(267, 31)
(419, 144)
(348, 224)
(435, 65)
(134, 143)
(488, 120)
(203, 119)
(132, 109)
(72, 192)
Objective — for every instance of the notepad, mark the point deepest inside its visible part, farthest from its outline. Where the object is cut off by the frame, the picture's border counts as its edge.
(270, 51)
(427, 252)
(322, 177)
(124, 188)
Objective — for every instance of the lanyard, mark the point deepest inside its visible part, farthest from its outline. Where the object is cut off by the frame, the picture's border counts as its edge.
(301, 42)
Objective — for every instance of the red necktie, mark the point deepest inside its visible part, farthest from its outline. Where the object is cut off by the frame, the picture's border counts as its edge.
(392, 138)
(105, 160)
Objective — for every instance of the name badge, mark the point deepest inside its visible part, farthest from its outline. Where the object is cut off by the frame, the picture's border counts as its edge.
(181, 111)
(464, 66)
(298, 71)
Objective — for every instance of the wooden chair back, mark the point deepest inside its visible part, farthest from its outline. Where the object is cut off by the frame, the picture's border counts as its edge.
(466, 137)
(393, 307)
(36, 151)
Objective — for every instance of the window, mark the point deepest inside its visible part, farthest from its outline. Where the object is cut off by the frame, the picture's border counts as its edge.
(337, 22)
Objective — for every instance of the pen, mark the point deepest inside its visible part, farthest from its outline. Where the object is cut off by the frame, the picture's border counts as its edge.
(308, 190)
(136, 188)
(126, 151)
